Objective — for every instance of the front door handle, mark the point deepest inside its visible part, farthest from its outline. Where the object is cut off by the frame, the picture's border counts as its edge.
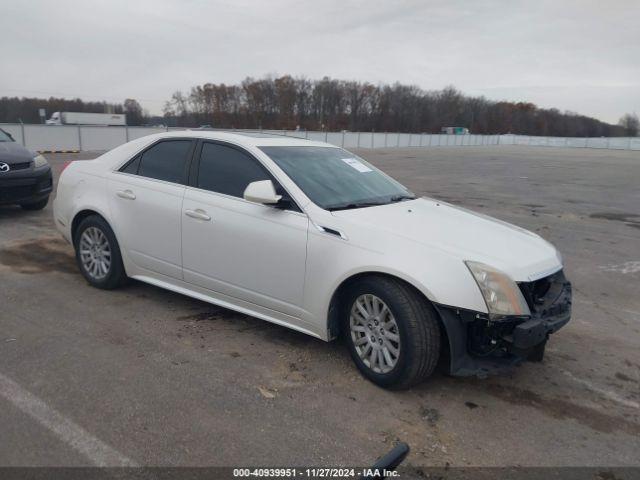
(199, 214)
(128, 194)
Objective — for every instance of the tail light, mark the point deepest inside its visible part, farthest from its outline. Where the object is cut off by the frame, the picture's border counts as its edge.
(65, 165)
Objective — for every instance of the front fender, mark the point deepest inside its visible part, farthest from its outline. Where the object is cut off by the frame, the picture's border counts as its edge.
(440, 277)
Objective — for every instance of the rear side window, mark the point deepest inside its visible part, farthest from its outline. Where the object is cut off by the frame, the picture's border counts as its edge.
(164, 161)
(228, 170)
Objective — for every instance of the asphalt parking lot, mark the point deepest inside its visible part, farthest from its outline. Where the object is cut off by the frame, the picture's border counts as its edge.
(162, 379)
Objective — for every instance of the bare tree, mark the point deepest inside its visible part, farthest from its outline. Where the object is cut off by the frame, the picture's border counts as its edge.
(630, 123)
(135, 115)
(178, 107)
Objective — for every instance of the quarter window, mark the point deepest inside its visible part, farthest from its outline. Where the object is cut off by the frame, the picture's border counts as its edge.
(228, 170)
(164, 161)
(132, 166)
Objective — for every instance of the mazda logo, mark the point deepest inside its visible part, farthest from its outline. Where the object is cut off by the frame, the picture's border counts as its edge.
(4, 167)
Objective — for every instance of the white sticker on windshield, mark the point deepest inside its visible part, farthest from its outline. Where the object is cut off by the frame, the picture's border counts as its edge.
(359, 166)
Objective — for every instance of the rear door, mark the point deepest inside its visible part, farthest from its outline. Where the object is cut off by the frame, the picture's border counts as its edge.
(145, 199)
(245, 250)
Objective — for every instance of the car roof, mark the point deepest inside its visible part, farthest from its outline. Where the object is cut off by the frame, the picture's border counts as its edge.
(248, 138)
(245, 139)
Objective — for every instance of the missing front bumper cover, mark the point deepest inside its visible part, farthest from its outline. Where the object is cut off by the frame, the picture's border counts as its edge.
(479, 345)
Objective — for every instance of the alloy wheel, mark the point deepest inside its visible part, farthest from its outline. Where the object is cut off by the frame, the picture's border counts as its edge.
(374, 333)
(95, 253)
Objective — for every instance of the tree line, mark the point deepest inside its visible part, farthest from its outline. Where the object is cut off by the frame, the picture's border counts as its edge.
(291, 103)
(329, 104)
(26, 110)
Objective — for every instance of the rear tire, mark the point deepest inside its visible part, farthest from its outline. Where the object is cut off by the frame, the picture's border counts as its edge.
(98, 254)
(401, 321)
(36, 205)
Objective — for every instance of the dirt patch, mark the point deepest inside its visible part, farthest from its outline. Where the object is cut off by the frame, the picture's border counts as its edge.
(564, 356)
(629, 363)
(201, 325)
(629, 219)
(42, 255)
(619, 217)
(211, 314)
(297, 372)
(431, 415)
(563, 409)
(623, 377)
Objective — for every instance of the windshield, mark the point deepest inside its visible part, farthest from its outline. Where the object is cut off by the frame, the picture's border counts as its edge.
(4, 136)
(335, 179)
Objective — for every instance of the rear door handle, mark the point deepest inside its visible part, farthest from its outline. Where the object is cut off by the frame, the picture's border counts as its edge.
(198, 214)
(128, 194)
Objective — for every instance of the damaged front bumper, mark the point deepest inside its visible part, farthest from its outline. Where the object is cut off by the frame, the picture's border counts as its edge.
(479, 345)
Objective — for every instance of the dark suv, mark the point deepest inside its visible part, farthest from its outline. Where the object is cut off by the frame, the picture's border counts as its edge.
(25, 177)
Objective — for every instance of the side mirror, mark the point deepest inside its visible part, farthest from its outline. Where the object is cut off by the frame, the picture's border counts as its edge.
(263, 192)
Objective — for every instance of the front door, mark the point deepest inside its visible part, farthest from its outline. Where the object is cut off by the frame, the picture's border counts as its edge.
(248, 251)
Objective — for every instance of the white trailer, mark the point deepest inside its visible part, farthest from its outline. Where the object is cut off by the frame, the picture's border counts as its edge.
(82, 118)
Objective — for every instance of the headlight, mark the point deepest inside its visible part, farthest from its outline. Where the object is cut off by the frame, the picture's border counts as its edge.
(39, 161)
(501, 294)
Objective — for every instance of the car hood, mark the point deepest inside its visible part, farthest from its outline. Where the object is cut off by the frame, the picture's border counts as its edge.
(12, 152)
(523, 255)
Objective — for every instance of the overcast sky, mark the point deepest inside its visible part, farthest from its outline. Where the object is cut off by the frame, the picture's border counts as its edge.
(582, 56)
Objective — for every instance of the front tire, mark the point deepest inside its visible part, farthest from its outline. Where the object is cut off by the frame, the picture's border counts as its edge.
(392, 332)
(98, 254)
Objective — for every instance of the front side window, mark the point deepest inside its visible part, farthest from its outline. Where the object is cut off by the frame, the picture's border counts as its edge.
(228, 170)
(163, 161)
(335, 179)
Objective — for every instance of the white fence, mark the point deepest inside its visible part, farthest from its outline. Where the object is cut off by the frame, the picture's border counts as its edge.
(390, 139)
(71, 137)
(90, 138)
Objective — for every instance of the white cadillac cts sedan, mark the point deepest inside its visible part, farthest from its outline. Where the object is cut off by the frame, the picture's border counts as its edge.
(312, 237)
